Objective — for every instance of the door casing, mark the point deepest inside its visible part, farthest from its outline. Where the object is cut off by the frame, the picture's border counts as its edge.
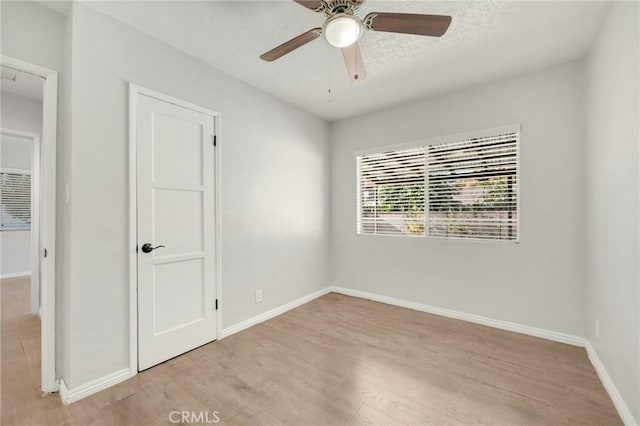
(134, 92)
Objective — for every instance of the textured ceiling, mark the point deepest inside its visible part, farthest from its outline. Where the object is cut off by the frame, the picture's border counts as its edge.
(487, 40)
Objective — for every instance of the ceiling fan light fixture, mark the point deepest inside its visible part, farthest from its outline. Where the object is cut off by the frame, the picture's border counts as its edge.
(342, 30)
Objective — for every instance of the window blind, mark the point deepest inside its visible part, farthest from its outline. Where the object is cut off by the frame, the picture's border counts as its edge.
(15, 200)
(473, 187)
(392, 193)
(472, 190)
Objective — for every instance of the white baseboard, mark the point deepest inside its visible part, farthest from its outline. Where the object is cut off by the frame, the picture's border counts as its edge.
(72, 395)
(477, 319)
(15, 275)
(607, 382)
(273, 313)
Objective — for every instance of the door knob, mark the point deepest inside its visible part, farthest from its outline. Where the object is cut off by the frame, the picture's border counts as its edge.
(147, 248)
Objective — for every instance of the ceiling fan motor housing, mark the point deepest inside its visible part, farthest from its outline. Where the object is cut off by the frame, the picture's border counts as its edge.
(335, 7)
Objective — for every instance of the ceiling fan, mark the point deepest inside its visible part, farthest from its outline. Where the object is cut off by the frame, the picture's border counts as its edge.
(343, 28)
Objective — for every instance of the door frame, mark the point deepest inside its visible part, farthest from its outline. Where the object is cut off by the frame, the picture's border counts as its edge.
(34, 139)
(48, 144)
(135, 91)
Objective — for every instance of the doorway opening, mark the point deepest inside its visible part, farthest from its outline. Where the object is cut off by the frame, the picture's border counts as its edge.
(27, 222)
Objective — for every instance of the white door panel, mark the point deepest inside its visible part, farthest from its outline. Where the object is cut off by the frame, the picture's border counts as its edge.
(178, 163)
(185, 209)
(175, 178)
(189, 294)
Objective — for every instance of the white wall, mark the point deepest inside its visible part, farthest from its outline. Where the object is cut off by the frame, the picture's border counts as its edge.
(538, 282)
(274, 187)
(33, 33)
(16, 253)
(15, 152)
(23, 114)
(613, 138)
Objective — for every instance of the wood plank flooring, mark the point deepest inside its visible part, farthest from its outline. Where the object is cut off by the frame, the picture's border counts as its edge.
(334, 361)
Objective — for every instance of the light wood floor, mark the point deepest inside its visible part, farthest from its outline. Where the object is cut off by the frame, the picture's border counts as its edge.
(336, 360)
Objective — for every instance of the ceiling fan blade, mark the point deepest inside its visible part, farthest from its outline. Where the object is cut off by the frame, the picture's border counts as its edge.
(354, 62)
(315, 5)
(408, 23)
(291, 45)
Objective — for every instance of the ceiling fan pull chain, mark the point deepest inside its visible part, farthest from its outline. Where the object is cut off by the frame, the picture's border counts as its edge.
(355, 52)
(329, 83)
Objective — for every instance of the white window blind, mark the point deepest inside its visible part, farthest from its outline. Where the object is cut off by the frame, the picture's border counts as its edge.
(392, 193)
(15, 200)
(472, 190)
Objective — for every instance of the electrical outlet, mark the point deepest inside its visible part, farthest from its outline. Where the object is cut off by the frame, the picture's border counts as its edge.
(258, 296)
(596, 328)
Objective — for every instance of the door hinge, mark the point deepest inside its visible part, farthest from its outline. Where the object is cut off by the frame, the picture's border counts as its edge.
(215, 140)
(216, 304)
(45, 253)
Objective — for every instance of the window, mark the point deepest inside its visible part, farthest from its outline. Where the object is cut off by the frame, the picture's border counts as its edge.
(15, 199)
(472, 190)
(392, 193)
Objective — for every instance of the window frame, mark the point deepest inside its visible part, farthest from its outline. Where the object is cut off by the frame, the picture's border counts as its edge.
(451, 138)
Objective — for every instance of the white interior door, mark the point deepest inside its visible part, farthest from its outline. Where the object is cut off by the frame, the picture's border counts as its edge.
(176, 214)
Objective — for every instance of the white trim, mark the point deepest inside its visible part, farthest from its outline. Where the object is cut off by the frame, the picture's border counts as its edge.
(137, 89)
(218, 222)
(63, 390)
(133, 236)
(610, 387)
(15, 275)
(477, 319)
(274, 312)
(36, 182)
(47, 215)
(358, 197)
(510, 128)
(134, 91)
(69, 396)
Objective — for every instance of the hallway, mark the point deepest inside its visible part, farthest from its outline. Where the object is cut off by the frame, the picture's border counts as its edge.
(20, 372)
